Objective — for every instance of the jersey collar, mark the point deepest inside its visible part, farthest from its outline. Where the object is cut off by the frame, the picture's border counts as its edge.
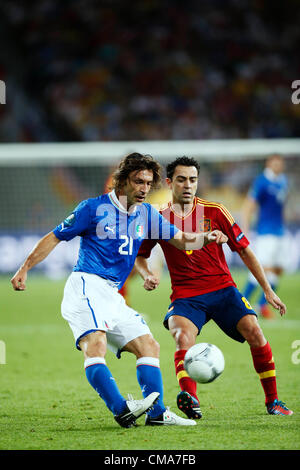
(270, 175)
(187, 215)
(115, 202)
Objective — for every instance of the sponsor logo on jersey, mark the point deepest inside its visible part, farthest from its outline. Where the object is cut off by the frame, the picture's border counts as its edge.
(109, 229)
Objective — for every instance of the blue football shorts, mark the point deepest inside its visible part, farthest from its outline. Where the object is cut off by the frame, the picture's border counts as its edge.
(225, 307)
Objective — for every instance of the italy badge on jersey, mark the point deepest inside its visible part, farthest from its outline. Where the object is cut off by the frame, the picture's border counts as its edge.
(139, 230)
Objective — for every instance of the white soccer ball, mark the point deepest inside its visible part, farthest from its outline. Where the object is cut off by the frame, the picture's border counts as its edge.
(204, 362)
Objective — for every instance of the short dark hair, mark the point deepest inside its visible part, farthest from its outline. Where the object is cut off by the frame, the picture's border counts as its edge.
(184, 161)
(135, 162)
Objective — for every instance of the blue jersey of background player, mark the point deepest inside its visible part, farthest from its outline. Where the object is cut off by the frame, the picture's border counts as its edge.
(267, 197)
(111, 236)
(269, 191)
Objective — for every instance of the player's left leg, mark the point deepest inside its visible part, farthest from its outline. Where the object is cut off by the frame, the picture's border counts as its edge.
(93, 346)
(263, 362)
(235, 316)
(146, 350)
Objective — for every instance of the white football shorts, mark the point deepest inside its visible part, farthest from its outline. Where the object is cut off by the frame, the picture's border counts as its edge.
(91, 303)
(272, 251)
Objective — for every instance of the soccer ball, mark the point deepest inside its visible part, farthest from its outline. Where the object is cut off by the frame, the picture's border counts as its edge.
(204, 362)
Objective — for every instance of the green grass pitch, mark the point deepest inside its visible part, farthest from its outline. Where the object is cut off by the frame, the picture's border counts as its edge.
(46, 402)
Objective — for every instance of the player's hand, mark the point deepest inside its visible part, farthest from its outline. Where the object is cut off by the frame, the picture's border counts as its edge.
(151, 282)
(275, 301)
(19, 280)
(217, 236)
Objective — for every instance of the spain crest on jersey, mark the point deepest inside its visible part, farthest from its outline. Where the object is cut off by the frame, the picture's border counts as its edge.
(205, 225)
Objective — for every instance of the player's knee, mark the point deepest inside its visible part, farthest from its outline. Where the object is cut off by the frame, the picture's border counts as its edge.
(143, 346)
(253, 334)
(155, 347)
(96, 349)
(93, 345)
(184, 339)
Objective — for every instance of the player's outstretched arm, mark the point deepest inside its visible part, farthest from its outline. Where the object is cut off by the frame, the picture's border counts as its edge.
(151, 280)
(41, 250)
(257, 270)
(196, 241)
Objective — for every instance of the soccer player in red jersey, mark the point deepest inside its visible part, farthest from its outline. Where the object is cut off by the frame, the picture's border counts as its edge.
(203, 288)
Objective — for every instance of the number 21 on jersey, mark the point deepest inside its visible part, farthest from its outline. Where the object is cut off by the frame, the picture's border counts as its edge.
(126, 247)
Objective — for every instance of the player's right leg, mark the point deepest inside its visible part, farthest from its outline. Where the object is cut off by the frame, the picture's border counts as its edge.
(184, 332)
(93, 346)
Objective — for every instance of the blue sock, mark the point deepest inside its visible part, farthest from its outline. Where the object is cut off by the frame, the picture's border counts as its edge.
(150, 380)
(100, 378)
(249, 289)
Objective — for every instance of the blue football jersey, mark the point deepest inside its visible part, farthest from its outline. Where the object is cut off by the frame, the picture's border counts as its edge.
(110, 236)
(270, 193)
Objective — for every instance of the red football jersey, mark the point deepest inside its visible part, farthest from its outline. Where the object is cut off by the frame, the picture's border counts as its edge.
(197, 272)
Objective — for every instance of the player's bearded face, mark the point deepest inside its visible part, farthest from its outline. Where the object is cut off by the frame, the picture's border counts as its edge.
(184, 184)
(137, 186)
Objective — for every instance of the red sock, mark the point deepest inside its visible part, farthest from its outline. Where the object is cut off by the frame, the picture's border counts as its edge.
(185, 382)
(264, 365)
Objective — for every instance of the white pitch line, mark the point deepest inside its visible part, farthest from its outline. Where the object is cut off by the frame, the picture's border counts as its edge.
(284, 323)
(29, 329)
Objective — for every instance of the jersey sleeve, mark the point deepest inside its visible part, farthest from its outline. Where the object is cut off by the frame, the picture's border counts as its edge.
(76, 223)
(237, 240)
(159, 228)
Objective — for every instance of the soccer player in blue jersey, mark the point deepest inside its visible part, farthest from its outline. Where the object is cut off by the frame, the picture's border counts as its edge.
(112, 228)
(267, 197)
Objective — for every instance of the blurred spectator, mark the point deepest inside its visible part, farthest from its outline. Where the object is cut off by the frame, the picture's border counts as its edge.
(158, 70)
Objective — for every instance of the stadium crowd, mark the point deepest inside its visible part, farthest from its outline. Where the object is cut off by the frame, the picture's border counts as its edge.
(111, 70)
